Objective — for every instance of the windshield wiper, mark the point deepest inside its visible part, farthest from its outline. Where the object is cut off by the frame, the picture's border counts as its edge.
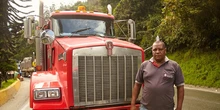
(80, 30)
(97, 34)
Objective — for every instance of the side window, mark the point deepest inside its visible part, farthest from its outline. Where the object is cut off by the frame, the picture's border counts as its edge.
(109, 29)
(56, 27)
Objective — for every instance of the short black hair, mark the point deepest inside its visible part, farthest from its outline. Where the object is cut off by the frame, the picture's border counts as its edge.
(160, 42)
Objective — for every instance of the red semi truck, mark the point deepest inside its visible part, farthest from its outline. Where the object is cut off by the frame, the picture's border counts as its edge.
(82, 64)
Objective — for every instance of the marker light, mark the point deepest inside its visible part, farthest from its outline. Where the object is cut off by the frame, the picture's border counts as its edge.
(81, 8)
(38, 67)
(57, 11)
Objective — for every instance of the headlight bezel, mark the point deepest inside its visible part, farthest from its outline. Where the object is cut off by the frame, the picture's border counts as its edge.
(47, 93)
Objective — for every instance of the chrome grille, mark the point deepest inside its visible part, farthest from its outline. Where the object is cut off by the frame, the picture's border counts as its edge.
(105, 79)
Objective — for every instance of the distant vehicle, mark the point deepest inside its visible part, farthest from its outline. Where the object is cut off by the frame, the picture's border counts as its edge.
(27, 67)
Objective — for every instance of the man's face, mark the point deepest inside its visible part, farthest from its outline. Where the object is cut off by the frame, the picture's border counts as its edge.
(159, 52)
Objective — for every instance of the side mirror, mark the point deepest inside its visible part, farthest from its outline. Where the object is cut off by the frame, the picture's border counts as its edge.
(47, 36)
(132, 28)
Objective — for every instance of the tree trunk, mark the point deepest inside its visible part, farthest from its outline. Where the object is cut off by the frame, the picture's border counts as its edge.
(0, 80)
(4, 74)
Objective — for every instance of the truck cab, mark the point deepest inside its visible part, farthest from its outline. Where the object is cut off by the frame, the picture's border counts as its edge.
(84, 65)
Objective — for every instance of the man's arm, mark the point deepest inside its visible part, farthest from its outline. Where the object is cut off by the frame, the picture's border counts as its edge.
(135, 93)
(180, 97)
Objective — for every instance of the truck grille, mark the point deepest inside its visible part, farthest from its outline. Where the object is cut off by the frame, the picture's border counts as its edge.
(105, 79)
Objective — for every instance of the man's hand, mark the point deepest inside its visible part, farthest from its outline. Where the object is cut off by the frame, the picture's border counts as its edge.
(180, 97)
(135, 94)
(178, 108)
(133, 107)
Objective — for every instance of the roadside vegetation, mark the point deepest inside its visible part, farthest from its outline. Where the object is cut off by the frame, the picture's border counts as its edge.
(13, 46)
(200, 68)
(8, 83)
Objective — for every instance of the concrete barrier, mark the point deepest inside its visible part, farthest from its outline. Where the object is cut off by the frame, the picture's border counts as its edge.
(9, 92)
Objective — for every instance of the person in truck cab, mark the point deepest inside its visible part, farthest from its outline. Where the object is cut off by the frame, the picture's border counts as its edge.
(158, 77)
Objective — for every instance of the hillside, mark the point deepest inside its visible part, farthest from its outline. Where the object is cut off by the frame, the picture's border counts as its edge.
(199, 67)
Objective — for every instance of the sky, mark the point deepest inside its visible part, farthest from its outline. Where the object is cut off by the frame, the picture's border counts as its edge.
(48, 3)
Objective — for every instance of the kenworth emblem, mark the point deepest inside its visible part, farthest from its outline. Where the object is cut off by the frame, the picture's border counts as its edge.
(109, 47)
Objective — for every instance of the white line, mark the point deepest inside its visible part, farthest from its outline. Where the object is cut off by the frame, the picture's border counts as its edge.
(25, 106)
(203, 89)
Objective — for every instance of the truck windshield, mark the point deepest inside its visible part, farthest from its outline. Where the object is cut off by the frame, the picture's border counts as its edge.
(82, 27)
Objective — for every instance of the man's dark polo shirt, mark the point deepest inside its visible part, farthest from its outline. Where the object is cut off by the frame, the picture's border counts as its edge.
(158, 89)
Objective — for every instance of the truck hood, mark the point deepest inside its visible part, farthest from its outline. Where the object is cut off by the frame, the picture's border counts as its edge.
(79, 42)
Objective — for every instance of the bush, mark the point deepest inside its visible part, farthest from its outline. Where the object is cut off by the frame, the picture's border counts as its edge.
(199, 67)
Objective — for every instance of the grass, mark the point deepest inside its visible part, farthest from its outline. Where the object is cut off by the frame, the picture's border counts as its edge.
(6, 84)
(199, 67)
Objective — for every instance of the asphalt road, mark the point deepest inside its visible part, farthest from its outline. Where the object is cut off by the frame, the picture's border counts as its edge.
(201, 99)
(195, 98)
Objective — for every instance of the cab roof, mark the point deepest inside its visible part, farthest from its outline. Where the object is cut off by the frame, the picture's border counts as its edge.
(81, 13)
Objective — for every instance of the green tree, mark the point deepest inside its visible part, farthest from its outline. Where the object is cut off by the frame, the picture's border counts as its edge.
(145, 13)
(191, 24)
(11, 25)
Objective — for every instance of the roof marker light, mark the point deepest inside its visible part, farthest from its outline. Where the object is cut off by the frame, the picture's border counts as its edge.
(57, 11)
(81, 8)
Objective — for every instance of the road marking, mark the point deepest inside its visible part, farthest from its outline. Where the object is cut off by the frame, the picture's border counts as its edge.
(25, 106)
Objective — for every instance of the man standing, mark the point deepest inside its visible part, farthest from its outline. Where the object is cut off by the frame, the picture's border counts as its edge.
(158, 76)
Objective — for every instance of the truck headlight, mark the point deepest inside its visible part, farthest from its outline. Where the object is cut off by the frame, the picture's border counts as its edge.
(46, 93)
